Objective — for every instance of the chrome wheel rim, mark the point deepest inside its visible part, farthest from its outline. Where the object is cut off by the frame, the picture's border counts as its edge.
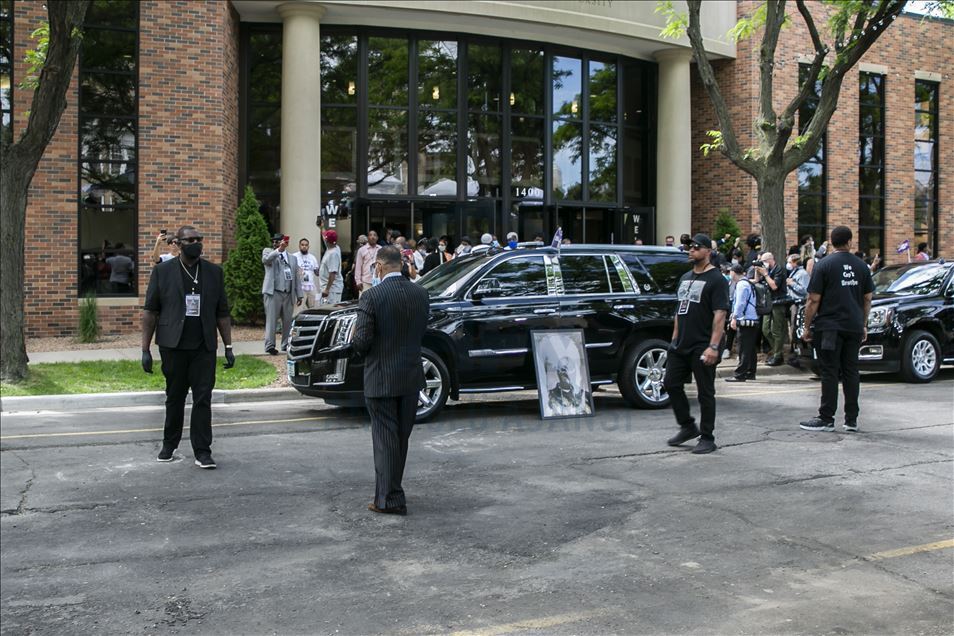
(923, 358)
(650, 373)
(434, 384)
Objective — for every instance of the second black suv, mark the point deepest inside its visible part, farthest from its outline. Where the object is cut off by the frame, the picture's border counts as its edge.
(483, 308)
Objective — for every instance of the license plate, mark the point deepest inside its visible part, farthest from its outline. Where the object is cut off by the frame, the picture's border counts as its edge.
(291, 369)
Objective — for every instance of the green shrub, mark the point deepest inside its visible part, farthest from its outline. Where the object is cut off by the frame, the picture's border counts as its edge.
(725, 223)
(243, 268)
(88, 319)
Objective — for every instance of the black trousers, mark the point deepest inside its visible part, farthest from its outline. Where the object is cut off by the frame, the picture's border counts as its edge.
(392, 419)
(681, 367)
(186, 369)
(838, 357)
(748, 360)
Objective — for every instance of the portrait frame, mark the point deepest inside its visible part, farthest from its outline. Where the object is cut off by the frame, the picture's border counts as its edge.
(563, 374)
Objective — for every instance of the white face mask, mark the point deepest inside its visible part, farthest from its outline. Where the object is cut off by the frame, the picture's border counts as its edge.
(442, 247)
(789, 266)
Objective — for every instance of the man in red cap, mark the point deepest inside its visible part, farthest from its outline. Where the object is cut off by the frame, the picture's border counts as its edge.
(330, 281)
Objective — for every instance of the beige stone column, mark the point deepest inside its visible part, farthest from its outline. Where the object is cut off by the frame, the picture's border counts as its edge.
(301, 122)
(673, 146)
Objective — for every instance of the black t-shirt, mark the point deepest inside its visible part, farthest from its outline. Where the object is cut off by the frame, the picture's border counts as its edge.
(700, 296)
(780, 276)
(842, 279)
(191, 337)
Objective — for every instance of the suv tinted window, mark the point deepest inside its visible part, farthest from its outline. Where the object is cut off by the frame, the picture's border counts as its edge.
(665, 269)
(584, 275)
(525, 276)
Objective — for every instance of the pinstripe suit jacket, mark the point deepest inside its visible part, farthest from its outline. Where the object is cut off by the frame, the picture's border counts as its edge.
(392, 318)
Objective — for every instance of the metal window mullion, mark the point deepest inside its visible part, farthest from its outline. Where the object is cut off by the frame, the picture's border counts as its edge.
(548, 120)
(412, 116)
(462, 104)
(363, 131)
(506, 134)
(585, 131)
(619, 135)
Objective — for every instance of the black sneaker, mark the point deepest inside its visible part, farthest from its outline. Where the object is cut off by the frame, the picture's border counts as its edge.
(205, 461)
(773, 362)
(272, 351)
(736, 378)
(704, 446)
(851, 426)
(817, 424)
(165, 455)
(685, 434)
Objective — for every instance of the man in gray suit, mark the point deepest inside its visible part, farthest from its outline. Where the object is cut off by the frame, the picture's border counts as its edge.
(392, 318)
(281, 290)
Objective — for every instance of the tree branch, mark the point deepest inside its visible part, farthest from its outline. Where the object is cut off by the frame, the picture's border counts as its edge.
(730, 144)
(860, 43)
(821, 51)
(773, 24)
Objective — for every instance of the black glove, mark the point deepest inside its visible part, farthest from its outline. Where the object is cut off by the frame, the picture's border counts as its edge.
(229, 359)
(147, 361)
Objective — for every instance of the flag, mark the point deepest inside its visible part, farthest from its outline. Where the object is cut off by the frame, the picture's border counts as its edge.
(557, 238)
(904, 246)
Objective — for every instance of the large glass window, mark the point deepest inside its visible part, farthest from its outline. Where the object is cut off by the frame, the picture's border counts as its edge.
(871, 164)
(484, 121)
(387, 161)
(603, 133)
(567, 87)
(6, 72)
(527, 123)
(108, 112)
(339, 118)
(524, 276)
(926, 163)
(585, 275)
(263, 108)
(638, 94)
(812, 175)
(437, 118)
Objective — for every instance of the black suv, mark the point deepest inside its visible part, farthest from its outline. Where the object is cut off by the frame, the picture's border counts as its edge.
(911, 324)
(483, 308)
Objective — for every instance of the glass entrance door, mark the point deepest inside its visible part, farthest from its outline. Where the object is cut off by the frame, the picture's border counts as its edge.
(383, 216)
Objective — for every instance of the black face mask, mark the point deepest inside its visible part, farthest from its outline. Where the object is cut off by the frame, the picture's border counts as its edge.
(191, 251)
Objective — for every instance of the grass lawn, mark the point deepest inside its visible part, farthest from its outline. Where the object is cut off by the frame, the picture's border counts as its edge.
(116, 376)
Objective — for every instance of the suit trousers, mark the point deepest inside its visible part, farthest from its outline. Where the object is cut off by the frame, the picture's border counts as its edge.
(747, 356)
(392, 419)
(186, 369)
(680, 367)
(278, 305)
(838, 355)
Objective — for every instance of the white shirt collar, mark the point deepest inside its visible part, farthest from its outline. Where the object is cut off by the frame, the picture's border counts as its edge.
(387, 276)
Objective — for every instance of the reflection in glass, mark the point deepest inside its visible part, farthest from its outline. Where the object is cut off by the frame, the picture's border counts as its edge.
(117, 228)
(483, 155)
(527, 81)
(571, 220)
(602, 177)
(484, 77)
(567, 167)
(871, 150)
(387, 71)
(339, 69)
(596, 223)
(811, 178)
(870, 212)
(265, 67)
(924, 95)
(811, 211)
(923, 155)
(109, 50)
(437, 74)
(339, 151)
(524, 276)
(437, 154)
(387, 151)
(108, 184)
(602, 89)
(113, 139)
(870, 240)
(526, 157)
(637, 93)
(870, 181)
(567, 87)
(120, 14)
(924, 126)
(265, 135)
(108, 94)
(635, 149)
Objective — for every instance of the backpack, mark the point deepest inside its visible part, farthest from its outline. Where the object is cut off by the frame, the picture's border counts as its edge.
(763, 298)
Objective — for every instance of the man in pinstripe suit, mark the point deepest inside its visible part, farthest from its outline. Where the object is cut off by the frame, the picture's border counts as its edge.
(392, 317)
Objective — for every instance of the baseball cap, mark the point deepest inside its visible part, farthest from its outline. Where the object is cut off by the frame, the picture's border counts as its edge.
(331, 236)
(701, 240)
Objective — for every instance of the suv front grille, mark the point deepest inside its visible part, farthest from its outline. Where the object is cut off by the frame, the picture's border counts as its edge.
(305, 331)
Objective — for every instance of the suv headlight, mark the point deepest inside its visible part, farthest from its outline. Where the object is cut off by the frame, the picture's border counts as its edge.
(879, 319)
(344, 329)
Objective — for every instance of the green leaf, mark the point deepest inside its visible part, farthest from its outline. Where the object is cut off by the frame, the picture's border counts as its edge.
(676, 23)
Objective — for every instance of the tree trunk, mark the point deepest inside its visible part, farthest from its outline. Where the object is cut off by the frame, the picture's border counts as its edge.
(771, 189)
(14, 183)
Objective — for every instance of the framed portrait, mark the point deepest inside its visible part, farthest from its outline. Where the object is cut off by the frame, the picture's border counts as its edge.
(563, 373)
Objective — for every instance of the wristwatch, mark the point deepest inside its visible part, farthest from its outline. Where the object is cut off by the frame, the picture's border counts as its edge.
(714, 347)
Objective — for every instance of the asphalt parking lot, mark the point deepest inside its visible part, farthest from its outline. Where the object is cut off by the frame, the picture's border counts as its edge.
(587, 526)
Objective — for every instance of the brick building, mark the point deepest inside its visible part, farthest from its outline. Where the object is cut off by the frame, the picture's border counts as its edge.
(570, 113)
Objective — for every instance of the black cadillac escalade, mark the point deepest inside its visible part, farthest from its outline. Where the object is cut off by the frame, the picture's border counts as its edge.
(483, 308)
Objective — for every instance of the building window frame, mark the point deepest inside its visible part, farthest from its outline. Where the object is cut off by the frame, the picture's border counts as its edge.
(876, 161)
(132, 165)
(818, 227)
(931, 232)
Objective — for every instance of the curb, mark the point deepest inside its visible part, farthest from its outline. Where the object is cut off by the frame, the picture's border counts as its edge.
(145, 398)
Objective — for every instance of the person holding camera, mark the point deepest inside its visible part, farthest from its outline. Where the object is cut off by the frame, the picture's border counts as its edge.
(281, 291)
(172, 247)
(774, 325)
(185, 304)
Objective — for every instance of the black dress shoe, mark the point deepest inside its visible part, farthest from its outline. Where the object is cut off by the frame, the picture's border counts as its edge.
(736, 378)
(272, 351)
(685, 434)
(773, 362)
(397, 510)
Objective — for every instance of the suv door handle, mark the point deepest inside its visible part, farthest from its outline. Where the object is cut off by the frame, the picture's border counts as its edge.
(545, 311)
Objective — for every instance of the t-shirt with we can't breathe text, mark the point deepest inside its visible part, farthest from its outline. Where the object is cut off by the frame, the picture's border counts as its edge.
(699, 297)
(842, 279)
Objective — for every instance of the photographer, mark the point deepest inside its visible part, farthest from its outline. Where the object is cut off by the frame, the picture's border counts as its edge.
(173, 248)
(774, 326)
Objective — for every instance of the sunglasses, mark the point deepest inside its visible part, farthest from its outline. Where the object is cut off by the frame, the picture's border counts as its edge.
(191, 239)
(696, 246)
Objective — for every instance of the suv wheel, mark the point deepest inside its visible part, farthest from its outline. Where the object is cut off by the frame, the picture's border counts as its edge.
(921, 358)
(433, 396)
(644, 369)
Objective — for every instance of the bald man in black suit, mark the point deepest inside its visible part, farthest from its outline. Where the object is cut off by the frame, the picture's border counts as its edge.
(392, 318)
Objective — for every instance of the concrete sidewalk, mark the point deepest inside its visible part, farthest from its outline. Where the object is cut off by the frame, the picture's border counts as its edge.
(245, 347)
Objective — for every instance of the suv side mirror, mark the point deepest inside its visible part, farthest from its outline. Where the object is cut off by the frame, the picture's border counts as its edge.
(487, 288)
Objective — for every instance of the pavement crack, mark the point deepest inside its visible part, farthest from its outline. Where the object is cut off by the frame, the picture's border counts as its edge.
(855, 471)
(21, 506)
(666, 451)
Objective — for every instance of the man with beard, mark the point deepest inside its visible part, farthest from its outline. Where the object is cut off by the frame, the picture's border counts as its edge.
(186, 300)
(694, 351)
